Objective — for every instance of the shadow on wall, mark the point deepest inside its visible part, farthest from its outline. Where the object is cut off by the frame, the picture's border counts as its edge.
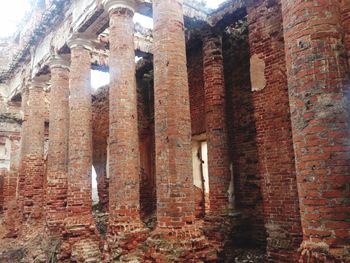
(242, 133)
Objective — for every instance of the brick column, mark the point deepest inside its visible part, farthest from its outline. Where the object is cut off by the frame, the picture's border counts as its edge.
(318, 91)
(24, 141)
(79, 202)
(57, 167)
(124, 156)
(217, 137)
(345, 11)
(32, 161)
(175, 197)
(81, 239)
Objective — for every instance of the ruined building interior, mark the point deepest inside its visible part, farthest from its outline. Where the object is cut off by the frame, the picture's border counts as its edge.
(217, 134)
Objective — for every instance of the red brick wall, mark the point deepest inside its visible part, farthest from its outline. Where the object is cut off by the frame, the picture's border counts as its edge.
(196, 88)
(2, 177)
(100, 106)
(147, 145)
(274, 135)
(242, 135)
(100, 131)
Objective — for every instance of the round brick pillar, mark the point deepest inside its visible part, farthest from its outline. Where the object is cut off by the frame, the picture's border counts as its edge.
(319, 92)
(79, 200)
(32, 161)
(124, 155)
(23, 144)
(345, 10)
(217, 137)
(175, 197)
(57, 167)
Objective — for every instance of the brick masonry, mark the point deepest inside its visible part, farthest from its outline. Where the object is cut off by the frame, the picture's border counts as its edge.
(124, 157)
(32, 161)
(318, 87)
(242, 134)
(216, 127)
(175, 205)
(57, 166)
(80, 135)
(274, 134)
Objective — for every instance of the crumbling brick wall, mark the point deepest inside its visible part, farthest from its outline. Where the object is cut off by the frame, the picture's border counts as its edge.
(274, 132)
(242, 133)
(196, 88)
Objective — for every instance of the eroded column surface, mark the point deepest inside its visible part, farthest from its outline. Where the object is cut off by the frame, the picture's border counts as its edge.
(345, 12)
(32, 158)
(57, 167)
(217, 137)
(175, 200)
(124, 156)
(318, 91)
(79, 202)
(273, 128)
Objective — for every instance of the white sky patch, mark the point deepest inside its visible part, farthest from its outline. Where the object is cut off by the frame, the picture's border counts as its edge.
(99, 79)
(11, 14)
(214, 3)
(144, 21)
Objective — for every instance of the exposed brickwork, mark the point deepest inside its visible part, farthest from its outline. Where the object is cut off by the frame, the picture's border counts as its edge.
(196, 88)
(57, 166)
(124, 158)
(345, 12)
(145, 112)
(32, 161)
(217, 135)
(175, 205)
(80, 135)
(274, 135)
(318, 88)
(100, 116)
(2, 179)
(81, 240)
(242, 132)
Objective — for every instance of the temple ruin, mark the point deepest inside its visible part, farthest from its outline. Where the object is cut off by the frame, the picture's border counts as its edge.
(221, 132)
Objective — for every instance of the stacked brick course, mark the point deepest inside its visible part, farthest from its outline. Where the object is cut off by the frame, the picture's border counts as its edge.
(124, 158)
(274, 135)
(217, 134)
(318, 88)
(57, 167)
(32, 160)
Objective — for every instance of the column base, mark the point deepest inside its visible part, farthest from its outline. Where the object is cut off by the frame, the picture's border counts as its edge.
(312, 252)
(220, 227)
(124, 239)
(81, 241)
(179, 245)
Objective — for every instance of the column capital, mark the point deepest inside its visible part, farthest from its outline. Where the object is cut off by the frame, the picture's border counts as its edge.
(112, 5)
(57, 61)
(38, 83)
(79, 40)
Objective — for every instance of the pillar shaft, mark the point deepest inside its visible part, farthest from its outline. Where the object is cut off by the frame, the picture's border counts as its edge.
(175, 200)
(345, 11)
(217, 137)
(32, 161)
(23, 144)
(79, 201)
(319, 105)
(124, 160)
(57, 167)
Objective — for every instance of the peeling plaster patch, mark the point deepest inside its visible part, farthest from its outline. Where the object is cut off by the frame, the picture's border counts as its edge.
(257, 73)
